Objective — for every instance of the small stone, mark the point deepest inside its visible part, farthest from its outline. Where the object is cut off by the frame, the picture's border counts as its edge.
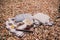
(57, 19)
(11, 38)
(37, 39)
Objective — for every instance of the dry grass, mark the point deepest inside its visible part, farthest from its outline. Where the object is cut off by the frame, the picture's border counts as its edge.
(10, 8)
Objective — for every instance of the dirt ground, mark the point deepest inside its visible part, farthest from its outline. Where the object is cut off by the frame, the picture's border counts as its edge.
(11, 8)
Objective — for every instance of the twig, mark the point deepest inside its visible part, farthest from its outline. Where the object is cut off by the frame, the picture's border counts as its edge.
(25, 30)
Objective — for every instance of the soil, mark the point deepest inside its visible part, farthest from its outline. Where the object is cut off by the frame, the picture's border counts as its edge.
(11, 8)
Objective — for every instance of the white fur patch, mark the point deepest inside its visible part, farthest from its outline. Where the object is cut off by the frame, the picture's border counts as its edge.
(12, 28)
(43, 18)
(21, 17)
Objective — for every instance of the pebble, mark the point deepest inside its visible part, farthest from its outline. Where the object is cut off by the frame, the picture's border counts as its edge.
(11, 38)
